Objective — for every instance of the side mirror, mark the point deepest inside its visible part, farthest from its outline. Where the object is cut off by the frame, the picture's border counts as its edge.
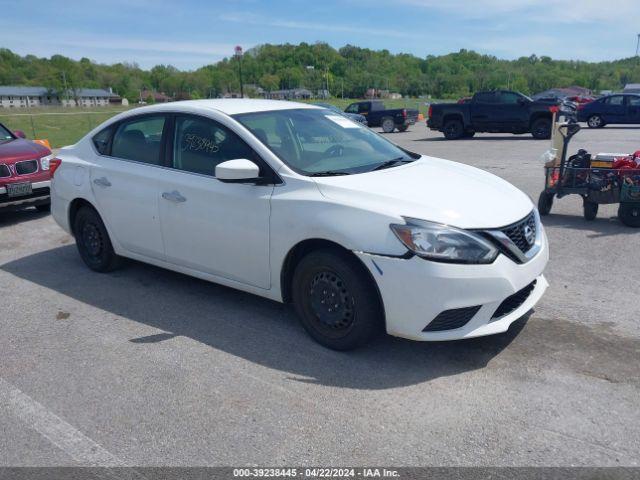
(240, 170)
(19, 134)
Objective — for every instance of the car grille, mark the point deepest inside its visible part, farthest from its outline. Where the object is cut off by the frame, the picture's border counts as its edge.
(4, 171)
(512, 303)
(516, 232)
(27, 167)
(451, 319)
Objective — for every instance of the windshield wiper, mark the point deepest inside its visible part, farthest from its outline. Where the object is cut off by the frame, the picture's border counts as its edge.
(391, 163)
(328, 173)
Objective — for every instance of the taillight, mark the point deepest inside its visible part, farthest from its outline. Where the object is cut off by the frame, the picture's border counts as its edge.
(54, 163)
(404, 112)
(430, 112)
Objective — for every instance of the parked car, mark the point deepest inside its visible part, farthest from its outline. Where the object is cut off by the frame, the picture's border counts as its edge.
(501, 111)
(617, 108)
(24, 172)
(356, 117)
(387, 118)
(285, 201)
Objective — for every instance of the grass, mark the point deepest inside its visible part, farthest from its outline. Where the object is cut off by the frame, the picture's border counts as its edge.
(65, 126)
(61, 126)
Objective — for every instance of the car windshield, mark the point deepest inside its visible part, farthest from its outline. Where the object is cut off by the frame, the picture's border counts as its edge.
(5, 134)
(320, 142)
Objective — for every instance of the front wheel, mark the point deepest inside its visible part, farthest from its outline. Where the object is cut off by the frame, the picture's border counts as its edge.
(545, 202)
(387, 125)
(590, 210)
(629, 214)
(541, 129)
(93, 242)
(595, 121)
(336, 300)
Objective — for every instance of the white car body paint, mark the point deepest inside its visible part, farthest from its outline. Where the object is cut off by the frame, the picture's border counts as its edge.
(239, 235)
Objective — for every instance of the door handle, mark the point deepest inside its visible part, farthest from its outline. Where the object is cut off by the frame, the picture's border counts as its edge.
(102, 182)
(174, 197)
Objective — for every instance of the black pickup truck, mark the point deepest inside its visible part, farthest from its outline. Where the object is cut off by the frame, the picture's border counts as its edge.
(379, 116)
(500, 111)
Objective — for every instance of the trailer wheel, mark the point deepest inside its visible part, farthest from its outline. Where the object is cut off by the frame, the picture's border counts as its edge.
(545, 202)
(403, 128)
(629, 214)
(387, 125)
(590, 209)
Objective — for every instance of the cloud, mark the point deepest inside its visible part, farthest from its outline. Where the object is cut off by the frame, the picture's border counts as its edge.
(252, 19)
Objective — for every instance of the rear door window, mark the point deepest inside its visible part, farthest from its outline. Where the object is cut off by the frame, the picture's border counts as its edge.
(140, 139)
(485, 97)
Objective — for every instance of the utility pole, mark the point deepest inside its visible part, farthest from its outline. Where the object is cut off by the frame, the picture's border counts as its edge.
(66, 90)
(238, 55)
(638, 45)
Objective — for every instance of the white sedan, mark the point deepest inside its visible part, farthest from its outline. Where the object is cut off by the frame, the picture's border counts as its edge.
(298, 204)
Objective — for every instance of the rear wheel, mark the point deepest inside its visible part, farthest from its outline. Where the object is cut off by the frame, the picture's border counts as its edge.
(541, 128)
(595, 121)
(387, 125)
(590, 209)
(453, 129)
(545, 202)
(93, 241)
(629, 214)
(336, 300)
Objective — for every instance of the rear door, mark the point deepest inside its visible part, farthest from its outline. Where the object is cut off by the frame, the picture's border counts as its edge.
(124, 180)
(482, 110)
(633, 109)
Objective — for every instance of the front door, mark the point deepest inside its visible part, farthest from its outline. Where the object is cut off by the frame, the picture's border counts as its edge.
(208, 225)
(124, 181)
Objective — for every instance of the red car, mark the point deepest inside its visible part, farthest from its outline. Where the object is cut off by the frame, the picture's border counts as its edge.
(25, 178)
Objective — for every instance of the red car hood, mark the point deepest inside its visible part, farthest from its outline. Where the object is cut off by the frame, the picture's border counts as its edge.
(19, 149)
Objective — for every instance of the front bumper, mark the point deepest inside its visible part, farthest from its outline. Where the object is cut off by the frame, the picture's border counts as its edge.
(415, 291)
(40, 196)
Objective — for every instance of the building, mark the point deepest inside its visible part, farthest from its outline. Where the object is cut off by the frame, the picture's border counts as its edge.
(632, 88)
(290, 94)
(25, 97)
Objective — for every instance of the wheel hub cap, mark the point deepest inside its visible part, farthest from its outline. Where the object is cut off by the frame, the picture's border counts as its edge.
(330, 301)
(92, 239)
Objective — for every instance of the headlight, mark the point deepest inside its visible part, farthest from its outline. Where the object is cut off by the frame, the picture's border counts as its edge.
(44, 162)
(442, 243)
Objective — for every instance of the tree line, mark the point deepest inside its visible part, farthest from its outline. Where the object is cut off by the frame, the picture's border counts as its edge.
(348, 71)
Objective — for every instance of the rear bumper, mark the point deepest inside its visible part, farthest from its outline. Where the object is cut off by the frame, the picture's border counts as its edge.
(41, 195)
(415, 292)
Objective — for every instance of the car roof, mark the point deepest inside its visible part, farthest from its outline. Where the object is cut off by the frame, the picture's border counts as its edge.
(230, 106)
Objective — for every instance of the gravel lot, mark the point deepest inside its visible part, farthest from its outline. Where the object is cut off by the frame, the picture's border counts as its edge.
(149, 367)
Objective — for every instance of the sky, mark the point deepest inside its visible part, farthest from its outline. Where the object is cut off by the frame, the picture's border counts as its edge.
(189, 34)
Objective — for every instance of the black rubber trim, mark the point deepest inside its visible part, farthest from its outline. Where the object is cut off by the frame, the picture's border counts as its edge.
(452, 319)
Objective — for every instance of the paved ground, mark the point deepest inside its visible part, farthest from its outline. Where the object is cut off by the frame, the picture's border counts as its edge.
(149, 367)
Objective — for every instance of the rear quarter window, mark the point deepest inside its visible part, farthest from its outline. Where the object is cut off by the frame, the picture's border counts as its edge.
(102, 139)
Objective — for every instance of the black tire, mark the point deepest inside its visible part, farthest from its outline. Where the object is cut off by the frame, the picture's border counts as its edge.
(388, 126)
(590, 209)
(44, 207)
(453, 129)
(93, 242)
(330, 275)
(469, 134)
(541, 129)
(403, 128)
(595, 121)
(545, 202)
(629, 214)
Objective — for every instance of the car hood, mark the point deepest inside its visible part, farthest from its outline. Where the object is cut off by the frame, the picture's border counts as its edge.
(433, 189)
(20, 149)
